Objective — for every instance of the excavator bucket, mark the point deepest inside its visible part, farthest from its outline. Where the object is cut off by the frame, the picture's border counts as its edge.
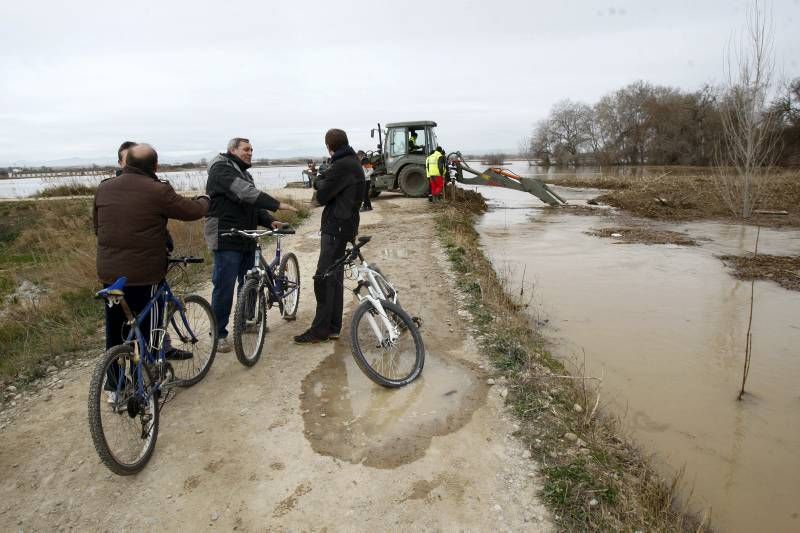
(501, 177)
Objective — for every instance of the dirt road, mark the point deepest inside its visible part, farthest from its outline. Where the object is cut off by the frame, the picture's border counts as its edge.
(303, 440)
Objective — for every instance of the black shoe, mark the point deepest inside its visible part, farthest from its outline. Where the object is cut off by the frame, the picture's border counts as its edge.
(363, 209)
(174, 354)
(307, 337)
(430, 198)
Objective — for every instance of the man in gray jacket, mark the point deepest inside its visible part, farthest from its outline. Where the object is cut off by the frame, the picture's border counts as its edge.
(235, 203)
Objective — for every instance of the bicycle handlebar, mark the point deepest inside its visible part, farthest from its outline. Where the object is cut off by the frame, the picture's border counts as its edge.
(185, 260)
(349, 255)
(258, 233)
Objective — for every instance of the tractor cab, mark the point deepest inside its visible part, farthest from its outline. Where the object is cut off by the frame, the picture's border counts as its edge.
(404, 147)
(409, 138)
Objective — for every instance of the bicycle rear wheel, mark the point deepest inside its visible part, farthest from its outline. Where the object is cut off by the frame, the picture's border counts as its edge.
(289, 272)
(387, 363)
(199, 338)
(124, 431)
(250, 323)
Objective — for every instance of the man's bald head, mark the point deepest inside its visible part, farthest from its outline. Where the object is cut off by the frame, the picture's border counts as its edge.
(142, 156)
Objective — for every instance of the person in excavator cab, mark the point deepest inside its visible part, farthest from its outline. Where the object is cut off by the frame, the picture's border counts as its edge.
(412, 142)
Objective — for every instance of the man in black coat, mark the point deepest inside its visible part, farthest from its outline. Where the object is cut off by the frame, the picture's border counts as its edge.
(340, 189)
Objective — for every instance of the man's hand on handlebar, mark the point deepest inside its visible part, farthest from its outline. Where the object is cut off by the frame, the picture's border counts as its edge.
(277, 224)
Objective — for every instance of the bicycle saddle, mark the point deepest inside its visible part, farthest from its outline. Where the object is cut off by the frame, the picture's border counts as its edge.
(364, 239)
(115, 289)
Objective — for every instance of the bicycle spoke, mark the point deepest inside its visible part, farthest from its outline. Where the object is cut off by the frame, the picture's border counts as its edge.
(123, 433)
(250, 323)
(199, 338)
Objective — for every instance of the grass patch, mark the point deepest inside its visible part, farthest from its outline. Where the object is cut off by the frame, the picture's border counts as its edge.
(593, 479)
(692, 195)
(69, 189)
(51, 246)
(48, 248)
(643, 235)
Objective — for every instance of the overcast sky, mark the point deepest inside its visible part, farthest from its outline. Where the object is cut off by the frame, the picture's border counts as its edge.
(79, 77)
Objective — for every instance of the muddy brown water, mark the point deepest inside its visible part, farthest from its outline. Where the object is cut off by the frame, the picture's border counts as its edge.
(664, 326)
(386, 428)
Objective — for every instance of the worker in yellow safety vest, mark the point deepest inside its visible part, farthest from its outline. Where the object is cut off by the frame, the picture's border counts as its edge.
(435, 166)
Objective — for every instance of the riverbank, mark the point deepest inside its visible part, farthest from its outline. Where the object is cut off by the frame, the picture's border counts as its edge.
(593, 478)
(680, 194)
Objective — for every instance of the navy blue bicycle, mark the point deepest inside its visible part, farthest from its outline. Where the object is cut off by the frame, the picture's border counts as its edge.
(133, 380)
(265, 285)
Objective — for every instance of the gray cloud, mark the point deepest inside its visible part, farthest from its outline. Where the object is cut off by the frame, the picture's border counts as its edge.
(79, 77)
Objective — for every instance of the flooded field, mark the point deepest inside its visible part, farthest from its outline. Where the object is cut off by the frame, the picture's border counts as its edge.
(268, 177)
(186, 180)
(664, 326)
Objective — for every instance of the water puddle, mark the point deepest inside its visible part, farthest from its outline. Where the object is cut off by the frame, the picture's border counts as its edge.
(665, 326)
(349, 417)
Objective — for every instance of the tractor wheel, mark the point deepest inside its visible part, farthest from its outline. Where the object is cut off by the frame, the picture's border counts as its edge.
(413, 182)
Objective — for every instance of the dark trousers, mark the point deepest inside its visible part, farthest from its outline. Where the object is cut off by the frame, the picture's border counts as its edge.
(137, 298)
(230, 266)
(366, 202)
(329, 291)
(116, 328)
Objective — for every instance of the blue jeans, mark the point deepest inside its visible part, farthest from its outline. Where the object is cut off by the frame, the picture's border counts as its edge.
(230, 266)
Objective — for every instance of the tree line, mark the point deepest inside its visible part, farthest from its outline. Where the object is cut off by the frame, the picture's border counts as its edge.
(651, 124)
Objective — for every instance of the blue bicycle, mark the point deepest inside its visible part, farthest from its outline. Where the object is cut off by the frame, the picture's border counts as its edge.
(133, 381)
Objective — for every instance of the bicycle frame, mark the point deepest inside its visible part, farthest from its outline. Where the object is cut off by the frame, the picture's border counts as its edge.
(394, 334)
(136, 337)
(266, 273)
(368, 277)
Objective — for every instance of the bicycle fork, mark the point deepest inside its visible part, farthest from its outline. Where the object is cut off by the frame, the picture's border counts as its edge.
(390, 328)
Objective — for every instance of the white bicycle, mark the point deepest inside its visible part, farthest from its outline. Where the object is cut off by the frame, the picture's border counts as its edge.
(385, 340)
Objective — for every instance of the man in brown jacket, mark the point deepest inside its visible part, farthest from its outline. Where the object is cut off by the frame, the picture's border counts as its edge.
(130, 220)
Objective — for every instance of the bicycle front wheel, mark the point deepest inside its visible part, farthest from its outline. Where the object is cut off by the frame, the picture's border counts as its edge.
(123, 418)
(197, 335)
(387, 362)
(289, 273)
(250, 323)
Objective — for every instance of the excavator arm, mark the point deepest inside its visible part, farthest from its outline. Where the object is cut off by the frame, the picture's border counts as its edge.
(501, 177)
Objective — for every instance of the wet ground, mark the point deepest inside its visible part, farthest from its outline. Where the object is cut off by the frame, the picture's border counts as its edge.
(665, 326)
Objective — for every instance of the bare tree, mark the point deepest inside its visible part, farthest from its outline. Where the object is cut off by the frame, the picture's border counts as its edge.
(750, 131)
(568, 128)
(541, 143)
(525, 148)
